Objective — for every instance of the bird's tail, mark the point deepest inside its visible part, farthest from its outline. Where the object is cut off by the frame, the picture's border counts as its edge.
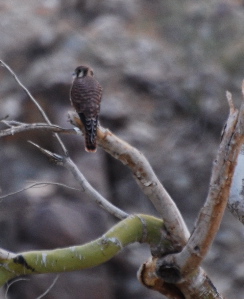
(91, 145)
(90, 133)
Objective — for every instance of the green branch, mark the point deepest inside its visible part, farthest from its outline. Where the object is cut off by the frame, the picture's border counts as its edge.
(136, 228)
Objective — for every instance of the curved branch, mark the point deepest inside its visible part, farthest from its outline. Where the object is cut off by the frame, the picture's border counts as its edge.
(146, 179)
(136, 228)
(130, 156)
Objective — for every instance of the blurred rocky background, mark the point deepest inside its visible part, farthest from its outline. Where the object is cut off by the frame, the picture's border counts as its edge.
(165, 67)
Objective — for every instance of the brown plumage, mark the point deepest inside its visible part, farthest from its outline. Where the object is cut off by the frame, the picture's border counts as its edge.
(85, 95)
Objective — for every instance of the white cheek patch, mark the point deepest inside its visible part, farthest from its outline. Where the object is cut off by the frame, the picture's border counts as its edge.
(81, 74)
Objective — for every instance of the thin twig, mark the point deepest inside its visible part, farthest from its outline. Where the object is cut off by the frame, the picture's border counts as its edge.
(230, 102)
(17, 127)
(36, 103)
(11, 283)
(97, 197)
(49, 289)
(37, 184)
(87, 188)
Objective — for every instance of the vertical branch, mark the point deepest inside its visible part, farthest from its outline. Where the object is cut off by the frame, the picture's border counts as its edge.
(236, 199)
(207, 225)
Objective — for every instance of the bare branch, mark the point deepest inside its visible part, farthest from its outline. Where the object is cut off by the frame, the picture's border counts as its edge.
(207, 225)
(35, 102)
(18, 127)
(34, 185)
(97, 197)
(88, 189)
(146, 179)
(230, 102)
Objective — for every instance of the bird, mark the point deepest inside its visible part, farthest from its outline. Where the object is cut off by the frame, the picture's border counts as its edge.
(85, 96)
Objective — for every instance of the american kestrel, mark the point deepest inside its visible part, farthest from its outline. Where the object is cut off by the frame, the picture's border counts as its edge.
(85, 95)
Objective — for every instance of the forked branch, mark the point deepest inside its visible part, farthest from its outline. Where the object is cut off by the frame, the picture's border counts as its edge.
(180, 270)
(183, 268)
(212, 212)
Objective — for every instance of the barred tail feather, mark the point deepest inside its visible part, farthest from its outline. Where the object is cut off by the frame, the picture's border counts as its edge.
(90, 125)
(90, 147)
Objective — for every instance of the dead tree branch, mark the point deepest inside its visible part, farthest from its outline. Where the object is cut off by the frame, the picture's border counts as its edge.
(18, 127)
(146, 179)
(189, 259)
(182, 270)
(175, 273)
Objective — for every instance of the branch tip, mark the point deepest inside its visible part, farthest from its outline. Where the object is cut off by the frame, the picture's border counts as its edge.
(230, 101)
(54, 157)
(2, 63)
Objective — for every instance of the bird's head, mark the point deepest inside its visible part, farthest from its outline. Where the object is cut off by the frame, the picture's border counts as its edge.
(83, 71)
